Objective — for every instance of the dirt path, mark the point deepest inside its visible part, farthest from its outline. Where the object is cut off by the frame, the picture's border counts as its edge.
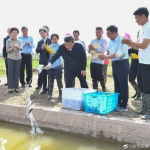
(18, 99)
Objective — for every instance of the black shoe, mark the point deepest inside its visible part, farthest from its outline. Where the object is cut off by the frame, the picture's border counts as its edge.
(50, 97)
(134, 95)
(30, 86)
(10, 91)
(17, 91)
(138, 97)
(39, 87)
(23, 85)
(43, 92)
(6, 84)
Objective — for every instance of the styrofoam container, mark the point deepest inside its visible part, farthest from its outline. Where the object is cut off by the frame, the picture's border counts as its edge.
(72, 98)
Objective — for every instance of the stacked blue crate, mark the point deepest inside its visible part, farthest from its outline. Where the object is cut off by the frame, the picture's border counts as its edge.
(101, 102)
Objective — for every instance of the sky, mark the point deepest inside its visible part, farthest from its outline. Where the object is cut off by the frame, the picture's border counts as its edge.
(64, 16)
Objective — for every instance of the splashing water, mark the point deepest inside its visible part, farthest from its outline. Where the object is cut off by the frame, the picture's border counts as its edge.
(3, 141)
(34, 145)
(34, 124)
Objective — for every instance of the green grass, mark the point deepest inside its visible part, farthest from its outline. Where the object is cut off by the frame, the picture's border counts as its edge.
(35, 63)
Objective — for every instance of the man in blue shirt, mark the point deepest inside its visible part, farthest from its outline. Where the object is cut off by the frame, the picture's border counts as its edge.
(28, 44)
(120, 68)
(96, 66)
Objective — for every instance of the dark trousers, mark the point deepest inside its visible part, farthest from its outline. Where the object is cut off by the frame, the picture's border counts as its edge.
(120, 75)
(6, 66)
(133, 70)
(96, 72)
(44, 77)
(69, 76)
(55, 73)
(13, 75)
(26, 62)
(39, 80)
(144, 78)
(105, 72)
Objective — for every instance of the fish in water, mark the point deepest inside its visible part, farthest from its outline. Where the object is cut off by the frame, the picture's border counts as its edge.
(30, 110)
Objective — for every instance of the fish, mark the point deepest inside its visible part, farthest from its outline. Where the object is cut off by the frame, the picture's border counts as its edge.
(30, 110)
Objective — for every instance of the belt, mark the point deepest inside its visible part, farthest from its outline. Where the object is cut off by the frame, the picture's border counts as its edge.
(26, 54)
(118, 61)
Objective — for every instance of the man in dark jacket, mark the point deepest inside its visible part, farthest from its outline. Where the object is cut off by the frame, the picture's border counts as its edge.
(74, 61)
(5, 53)
(44, 56)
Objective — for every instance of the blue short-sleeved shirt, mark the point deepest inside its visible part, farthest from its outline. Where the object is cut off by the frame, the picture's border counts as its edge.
(115, 45)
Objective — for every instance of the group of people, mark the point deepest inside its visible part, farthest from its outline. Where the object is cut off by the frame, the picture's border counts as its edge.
(17, 55)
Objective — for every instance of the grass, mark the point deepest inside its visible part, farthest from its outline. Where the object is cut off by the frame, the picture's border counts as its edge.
(35, 63)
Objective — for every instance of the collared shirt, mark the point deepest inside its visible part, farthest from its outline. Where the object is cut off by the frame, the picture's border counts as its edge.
(27, 49)
(144, 54)
(115, 45)
(13, 53)
(74, 60)
(103, 43)
(82, 43)
(45, 39)
(58, 62)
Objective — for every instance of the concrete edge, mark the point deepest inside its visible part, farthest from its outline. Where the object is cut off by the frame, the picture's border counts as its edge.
(78, 122)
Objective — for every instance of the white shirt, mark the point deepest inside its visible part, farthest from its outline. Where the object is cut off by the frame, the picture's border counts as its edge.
(144, 54)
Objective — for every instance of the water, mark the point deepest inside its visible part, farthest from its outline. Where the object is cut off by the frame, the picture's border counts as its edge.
(18, 137)
(34, 124)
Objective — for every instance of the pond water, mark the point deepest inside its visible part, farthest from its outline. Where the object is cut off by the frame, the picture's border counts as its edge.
(18, 137)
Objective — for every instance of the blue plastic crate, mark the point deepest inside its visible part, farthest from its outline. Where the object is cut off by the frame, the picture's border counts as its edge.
(100, 102)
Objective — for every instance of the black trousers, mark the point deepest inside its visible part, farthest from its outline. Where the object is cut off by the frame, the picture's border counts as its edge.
(26, 62)
(69, 76)
(133, 70)
(44, 74)
(6, 66)
(55, 73)
(39, 80)
(144, 78)
(96, 72)
(120, 75)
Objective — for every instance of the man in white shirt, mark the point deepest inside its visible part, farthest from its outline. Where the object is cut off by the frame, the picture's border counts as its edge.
(76, 35)
(141, 16)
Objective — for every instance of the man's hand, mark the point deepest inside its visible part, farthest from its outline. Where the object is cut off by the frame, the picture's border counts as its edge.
(91, 47)
(47, 67)
(27, 43)
(83, 72)
(43, 45)
(126, 41)
(102, 57)
(4, 58)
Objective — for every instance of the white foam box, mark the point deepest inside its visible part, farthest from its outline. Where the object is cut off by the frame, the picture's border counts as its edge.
(72, 98)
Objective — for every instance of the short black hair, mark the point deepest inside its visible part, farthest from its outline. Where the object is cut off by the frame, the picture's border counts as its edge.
(46, 27)
(69, 39)
(76, 31)
(24, 27)
(14, 28)
(42, 29)
(142, 11)
(112, 28)
(55, 35)
(99, 28)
